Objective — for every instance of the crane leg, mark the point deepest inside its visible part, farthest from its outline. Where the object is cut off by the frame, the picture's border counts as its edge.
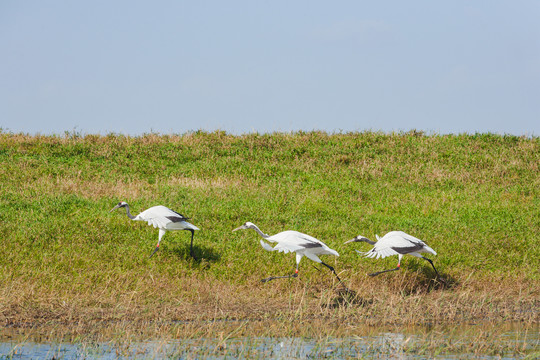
(431, 262)
(332, 270)
(191, 246)
(380, 272)
(161, 233)
(282, 277)
(156, 249)
(279, 277)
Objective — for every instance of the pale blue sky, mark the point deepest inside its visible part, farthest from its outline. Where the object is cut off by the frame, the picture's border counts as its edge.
(243, 66)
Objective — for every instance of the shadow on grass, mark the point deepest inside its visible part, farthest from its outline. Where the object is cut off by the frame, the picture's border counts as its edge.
(415, 278)
(202, 253)
(423, 284)
(427, 279)
(345, 297)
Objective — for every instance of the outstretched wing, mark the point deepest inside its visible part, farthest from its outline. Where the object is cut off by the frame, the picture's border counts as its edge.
(281, 247)
(397, 243)
(414, 245)
(381, 252)
(295, 240)
(164, 218)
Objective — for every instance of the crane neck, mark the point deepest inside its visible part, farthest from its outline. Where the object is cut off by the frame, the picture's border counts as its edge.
(369, 241)
(365, 239)
(128, 213)
(254, 227)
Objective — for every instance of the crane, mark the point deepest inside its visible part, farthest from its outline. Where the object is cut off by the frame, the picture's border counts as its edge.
(293, 241)
(396, 243)
(164, 219)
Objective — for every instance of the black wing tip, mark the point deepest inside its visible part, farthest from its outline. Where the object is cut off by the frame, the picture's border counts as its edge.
(177, 219)
(407, 250)
(182, 216)
(311, 245)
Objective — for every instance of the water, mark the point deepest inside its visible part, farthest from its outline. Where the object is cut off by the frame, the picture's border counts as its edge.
(506, 341)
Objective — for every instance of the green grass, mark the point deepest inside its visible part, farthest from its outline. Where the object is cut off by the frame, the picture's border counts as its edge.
(473, 198)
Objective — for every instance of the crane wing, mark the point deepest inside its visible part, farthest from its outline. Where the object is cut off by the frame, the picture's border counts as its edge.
(160, 216)
(286, 248)
(404, 243)
(396, 243)
(380, 253)
(295, 240)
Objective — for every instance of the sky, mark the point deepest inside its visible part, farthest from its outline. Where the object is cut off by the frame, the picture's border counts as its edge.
(172, 67)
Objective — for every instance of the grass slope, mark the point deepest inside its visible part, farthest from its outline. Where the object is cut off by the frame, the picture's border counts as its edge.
(473, 198)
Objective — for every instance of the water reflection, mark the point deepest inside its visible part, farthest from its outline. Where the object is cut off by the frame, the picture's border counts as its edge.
(449, 342)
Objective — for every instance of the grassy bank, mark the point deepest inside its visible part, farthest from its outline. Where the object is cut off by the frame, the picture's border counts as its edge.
(65, 258)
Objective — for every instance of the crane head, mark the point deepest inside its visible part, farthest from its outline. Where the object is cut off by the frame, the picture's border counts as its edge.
(247, 225)
(119, 205)
(360, 238)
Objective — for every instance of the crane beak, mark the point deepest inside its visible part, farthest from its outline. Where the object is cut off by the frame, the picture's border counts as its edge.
(240, 228)
(114, 208)
(350, 241)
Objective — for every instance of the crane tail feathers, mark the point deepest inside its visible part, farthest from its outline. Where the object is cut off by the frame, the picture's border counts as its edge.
(429, 250)
(333, 252)
(191, 226)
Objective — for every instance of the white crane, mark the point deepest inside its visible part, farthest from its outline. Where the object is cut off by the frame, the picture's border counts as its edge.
(294, 241)
(164, 219)
(396, 243)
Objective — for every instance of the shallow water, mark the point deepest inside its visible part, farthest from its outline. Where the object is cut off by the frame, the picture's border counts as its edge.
(506, 341)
